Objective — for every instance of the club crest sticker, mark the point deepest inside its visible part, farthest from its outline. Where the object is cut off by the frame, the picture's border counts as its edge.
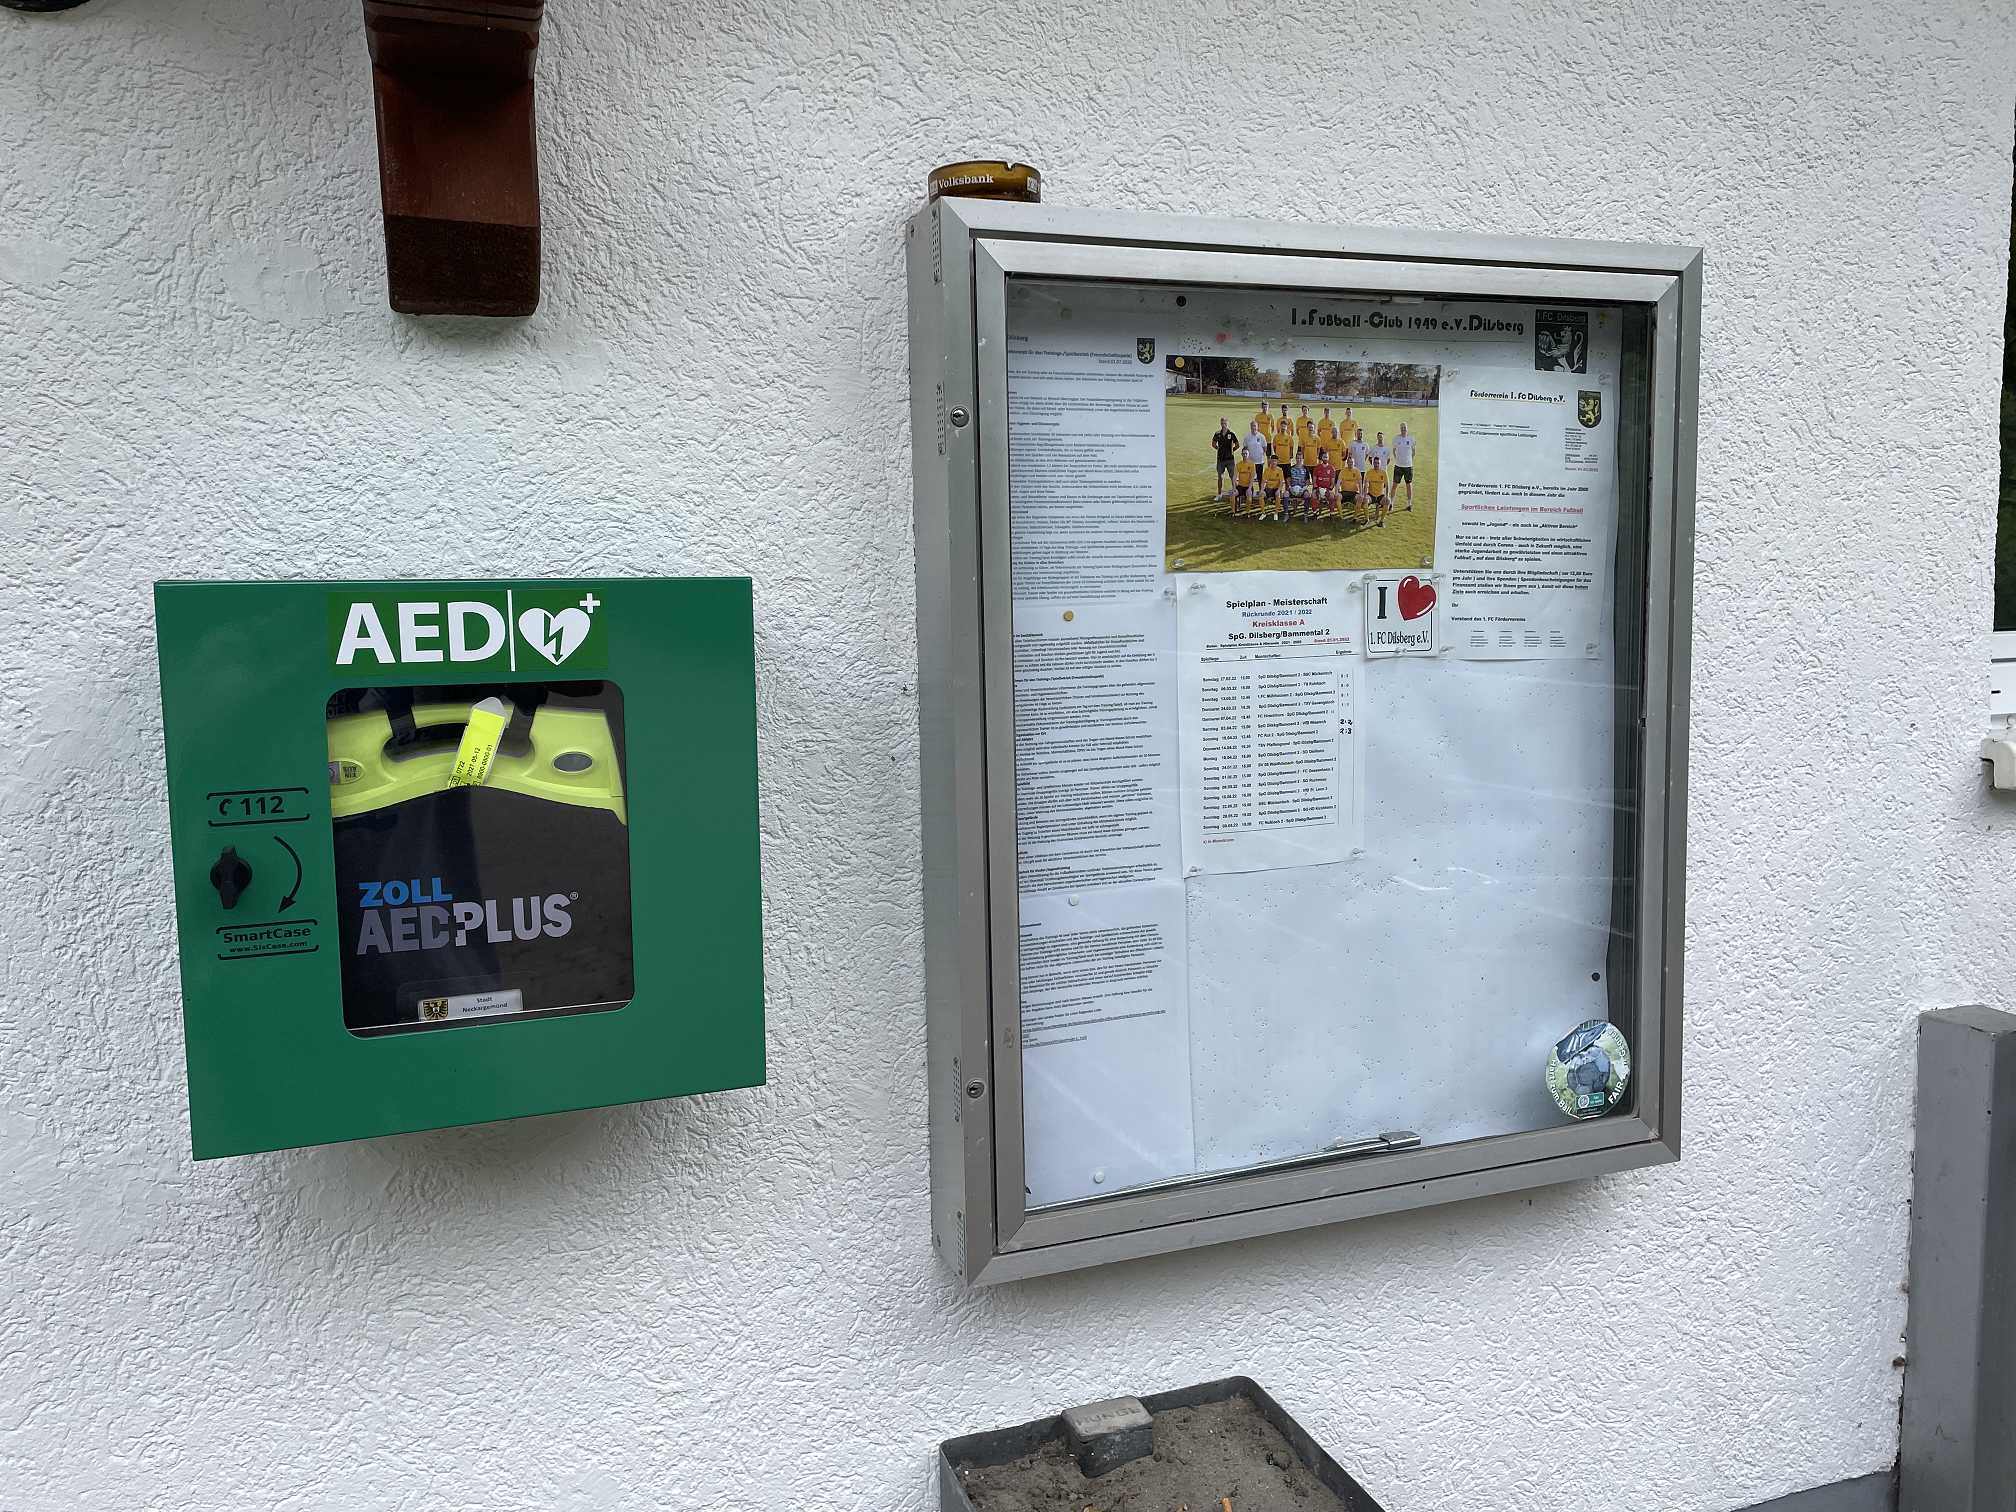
(1561, 341)
(1144, 349)
(1589, 408)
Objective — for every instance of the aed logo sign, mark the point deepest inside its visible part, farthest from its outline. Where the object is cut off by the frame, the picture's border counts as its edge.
(469, 630)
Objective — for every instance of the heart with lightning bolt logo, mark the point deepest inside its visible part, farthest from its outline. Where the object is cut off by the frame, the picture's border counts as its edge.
(554, 636)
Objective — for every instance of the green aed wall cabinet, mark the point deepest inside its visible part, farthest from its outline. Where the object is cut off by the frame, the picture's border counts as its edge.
(448, 852)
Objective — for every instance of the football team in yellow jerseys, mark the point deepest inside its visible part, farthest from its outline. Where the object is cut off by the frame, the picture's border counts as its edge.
(1312, 467)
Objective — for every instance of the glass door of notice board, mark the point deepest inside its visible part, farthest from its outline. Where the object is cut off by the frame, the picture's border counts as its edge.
(1326, 613)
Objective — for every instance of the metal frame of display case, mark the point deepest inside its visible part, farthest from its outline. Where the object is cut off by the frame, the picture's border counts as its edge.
(962, 254)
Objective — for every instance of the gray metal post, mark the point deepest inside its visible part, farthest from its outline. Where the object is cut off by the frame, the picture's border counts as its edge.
(1958, 1451)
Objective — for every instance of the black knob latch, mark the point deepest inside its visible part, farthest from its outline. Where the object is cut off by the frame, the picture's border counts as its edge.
(231, 875)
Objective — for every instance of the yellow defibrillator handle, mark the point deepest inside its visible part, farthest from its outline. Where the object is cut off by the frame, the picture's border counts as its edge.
(571, 759)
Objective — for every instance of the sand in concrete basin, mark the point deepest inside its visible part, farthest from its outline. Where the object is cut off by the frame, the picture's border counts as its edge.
(1202, 1455)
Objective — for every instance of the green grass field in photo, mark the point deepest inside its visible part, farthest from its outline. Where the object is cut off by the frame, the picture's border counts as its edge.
(1201, 537)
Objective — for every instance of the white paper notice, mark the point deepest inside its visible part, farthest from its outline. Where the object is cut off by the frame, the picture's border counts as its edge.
(1105, 1041)
(1095, 744)
(1529, 507)
(1272, 774)
(1084, 465)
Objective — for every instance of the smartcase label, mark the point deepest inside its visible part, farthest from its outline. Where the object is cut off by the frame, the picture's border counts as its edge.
(274, 937)
(469, 630)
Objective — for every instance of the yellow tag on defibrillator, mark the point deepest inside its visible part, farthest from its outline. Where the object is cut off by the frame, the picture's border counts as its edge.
(480, 737)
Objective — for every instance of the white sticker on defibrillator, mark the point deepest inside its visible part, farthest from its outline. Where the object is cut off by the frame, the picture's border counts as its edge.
(435, 1010)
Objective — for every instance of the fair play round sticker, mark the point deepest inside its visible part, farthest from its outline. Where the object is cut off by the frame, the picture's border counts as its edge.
(1588, 1070)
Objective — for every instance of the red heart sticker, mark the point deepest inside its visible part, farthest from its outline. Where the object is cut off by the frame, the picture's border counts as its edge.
(1414, 597)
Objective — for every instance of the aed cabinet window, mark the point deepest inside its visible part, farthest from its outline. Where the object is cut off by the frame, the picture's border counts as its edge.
(482, 853)
(1304, 764)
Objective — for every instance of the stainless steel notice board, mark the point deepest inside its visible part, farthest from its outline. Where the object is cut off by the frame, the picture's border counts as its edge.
(1303, 622)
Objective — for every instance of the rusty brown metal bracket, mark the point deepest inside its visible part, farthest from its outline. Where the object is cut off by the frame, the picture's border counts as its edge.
(458, 156)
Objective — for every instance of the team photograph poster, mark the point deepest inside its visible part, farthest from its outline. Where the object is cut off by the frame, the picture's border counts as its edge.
(1341, 453)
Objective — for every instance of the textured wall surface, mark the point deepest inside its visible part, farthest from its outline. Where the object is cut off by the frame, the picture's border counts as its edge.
(732, 1302)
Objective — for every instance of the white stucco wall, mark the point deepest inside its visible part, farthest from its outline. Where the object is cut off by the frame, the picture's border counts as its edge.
(731, 1302)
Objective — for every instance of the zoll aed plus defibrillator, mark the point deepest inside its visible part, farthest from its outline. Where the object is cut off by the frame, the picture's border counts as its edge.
(453, 852)
(473, 883)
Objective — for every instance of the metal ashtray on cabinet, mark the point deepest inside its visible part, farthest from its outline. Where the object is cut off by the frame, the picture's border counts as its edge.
(1201, 1448)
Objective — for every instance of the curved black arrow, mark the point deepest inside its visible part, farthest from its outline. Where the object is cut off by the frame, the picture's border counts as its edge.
(288, 901)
